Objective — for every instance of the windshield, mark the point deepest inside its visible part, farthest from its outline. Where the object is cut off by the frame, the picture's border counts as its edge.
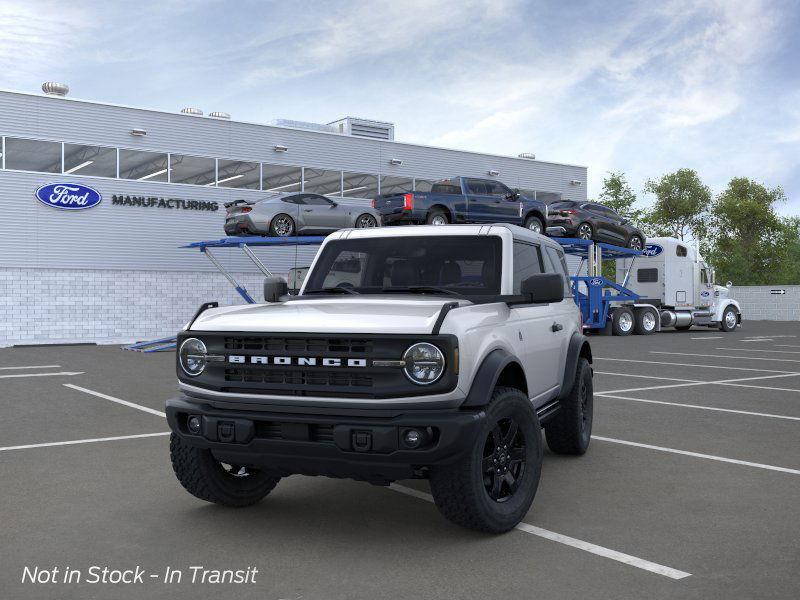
(461, 265)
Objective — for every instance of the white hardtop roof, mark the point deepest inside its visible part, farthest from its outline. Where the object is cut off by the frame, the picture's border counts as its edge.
(498, 229)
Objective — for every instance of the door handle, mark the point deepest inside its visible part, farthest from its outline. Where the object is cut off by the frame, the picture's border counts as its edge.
(307, 210)
(557, 327)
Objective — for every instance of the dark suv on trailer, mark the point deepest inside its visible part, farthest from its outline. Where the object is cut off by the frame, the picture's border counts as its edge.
(593, 221)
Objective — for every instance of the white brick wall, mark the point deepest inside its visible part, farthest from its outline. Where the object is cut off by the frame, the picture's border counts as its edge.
(758, 303)
(48, 306)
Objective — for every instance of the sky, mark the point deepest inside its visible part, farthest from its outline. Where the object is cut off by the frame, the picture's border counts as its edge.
(639, 87)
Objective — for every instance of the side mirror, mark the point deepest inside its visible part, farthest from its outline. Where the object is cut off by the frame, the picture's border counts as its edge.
(729, 285)
(334, 204)
(542, 288)
(274, 288)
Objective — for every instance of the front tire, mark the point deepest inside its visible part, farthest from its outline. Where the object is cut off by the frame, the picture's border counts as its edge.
(492, 487)
(729, 320)
(584, 232)
(208, 479)
(570, 431)
(534, 224)
(366, 221)
(282, 225)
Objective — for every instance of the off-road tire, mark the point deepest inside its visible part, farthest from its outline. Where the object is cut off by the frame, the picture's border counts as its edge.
(570, 430)
(619, 322)
(723, 325)
(204, 477)
(459, 488)
(274, 233)
(640, 324)
(530, 221)
(434, 213)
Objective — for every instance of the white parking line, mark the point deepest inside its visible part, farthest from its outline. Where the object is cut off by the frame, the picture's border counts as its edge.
(717, 382)
(708, 337)
(655, 362)
(627, 559)
(86, 441)
(725, 356)
(645, 376)
(787, 346)
(31, 367)
(17, 375)
(698, 455)
(701, 407)
(152, 411)
(758, 350)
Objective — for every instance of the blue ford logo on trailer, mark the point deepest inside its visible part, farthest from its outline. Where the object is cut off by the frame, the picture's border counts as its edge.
(68, 196)
(652, 250)
(596, 281)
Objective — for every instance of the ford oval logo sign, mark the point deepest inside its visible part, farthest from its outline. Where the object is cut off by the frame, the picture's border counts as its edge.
(596, 281)
(652, 250)
(705, 294)
(68, 196)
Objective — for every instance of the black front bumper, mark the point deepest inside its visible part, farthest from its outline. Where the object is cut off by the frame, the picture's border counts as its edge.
(366, 448)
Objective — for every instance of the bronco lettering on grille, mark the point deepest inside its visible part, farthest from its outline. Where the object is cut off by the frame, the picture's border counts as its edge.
(301, 361)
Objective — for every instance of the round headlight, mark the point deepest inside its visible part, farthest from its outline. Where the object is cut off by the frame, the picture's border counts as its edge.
(424, 363)
(192, 356)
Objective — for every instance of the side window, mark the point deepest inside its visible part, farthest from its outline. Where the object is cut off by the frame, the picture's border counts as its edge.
(476, 186)
(704, 276)
(681, 251)
(527, 262)
(293, 200)
(647, 275)
(495, 188)
(559, 264)
(316, 200)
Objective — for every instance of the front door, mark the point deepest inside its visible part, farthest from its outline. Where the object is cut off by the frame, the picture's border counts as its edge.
(479, 201)
(322, 214)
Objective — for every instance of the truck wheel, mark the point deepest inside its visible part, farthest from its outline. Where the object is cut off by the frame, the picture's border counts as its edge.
(729, 320)
(534, 224)
(208, 479)
(645, 321)
(622, 321)
(437, 217)
(281, 226)
(570, 429)
(492, 487)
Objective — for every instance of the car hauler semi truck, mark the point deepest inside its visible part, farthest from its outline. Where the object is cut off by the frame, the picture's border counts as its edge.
(671, 276)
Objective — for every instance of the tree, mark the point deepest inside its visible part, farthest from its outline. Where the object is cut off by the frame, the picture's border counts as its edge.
(681, 205)
(750, 243)
(618, 195)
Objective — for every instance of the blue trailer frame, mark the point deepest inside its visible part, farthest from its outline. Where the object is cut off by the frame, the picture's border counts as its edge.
(596, 302)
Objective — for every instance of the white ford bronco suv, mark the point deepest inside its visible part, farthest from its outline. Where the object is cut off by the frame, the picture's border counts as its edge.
(415, 352)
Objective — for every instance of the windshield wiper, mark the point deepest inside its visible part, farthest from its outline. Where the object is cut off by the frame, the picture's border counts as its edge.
(331, 290)
(422, 289)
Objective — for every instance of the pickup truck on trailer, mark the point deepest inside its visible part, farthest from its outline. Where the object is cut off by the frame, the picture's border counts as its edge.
(463, 200)
(416, 352)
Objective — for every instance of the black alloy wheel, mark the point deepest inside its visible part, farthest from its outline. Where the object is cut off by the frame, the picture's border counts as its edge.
(635, 243)
(366, 221)
(503, 460)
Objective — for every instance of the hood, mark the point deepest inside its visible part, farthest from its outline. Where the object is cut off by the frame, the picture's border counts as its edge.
(720, 291)
(366, 314)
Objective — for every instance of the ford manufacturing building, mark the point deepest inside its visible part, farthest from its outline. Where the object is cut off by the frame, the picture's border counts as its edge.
(115, 272)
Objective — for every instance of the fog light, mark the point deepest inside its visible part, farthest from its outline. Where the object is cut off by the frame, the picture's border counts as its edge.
(412, 438)
(194, 424)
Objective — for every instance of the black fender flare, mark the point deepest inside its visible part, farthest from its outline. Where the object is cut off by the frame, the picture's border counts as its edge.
(578, 346)
(485, 380)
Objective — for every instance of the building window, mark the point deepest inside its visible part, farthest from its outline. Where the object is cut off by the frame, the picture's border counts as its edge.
(359, 185)
(237, 174)
(194, 170)
(97, 161)
(423, 185)
(280, 178)
(396, 185)
(33, 155)
(321, 181)
(144, 166)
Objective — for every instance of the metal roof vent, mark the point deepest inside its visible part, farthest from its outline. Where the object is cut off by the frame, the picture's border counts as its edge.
(51, 88)
(527, 155)
(377, 130)
(192, 111)
(219, 115)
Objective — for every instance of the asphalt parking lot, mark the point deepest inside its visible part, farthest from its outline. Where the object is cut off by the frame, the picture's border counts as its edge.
(689, 489)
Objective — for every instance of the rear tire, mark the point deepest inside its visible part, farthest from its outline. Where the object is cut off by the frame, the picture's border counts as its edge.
(282, 225)
(635, 243)
(437, 217)
(570, 430)
(622, 321)
(584, 232)
(206, 478)
(645, 323)
(534, 224)
(366, 221)
(492, 487)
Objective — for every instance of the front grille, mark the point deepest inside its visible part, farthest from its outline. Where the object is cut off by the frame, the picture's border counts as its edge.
(342, 346)
(312, 432)
(298, 377)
